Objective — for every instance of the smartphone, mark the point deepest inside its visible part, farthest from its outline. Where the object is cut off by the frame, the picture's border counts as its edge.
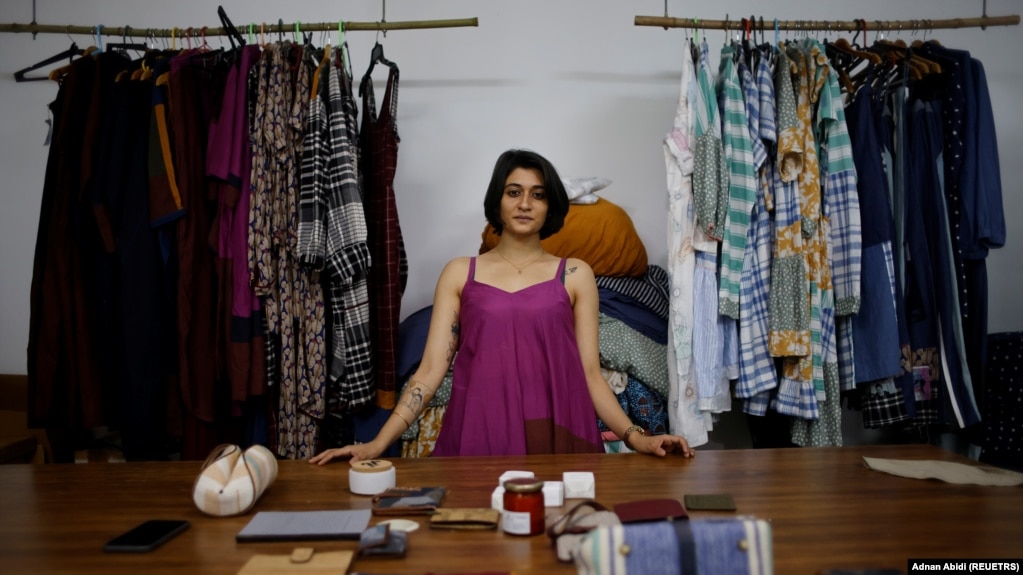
(146, 536)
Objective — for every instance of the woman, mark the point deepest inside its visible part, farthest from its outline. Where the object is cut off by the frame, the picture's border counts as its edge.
(524, 323)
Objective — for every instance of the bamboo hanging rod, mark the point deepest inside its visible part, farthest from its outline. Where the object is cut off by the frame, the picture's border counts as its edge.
(835, 25)
(266, 28)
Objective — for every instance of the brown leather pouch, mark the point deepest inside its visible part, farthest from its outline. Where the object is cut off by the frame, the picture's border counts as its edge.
(469, 518)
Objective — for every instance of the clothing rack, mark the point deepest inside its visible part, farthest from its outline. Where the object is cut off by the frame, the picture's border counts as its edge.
(889, 26)
(266, 28)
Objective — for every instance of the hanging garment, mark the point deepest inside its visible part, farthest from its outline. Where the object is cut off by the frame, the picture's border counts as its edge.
(229, 161)
(332, 235)
(293, 294)
(63, 377)
(190, 98)
(841, 237)
(930, 281)
(389, 272)
(742, 183)
(146, 327)
(798, 390)
(684, 417)
(875, 327)
(518, 383)
(713, 363)
(757, 372)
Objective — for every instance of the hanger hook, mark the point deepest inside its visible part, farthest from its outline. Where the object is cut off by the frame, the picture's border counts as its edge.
(383, 16)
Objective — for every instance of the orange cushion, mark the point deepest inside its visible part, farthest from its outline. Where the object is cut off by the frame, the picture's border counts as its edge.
(600, 234)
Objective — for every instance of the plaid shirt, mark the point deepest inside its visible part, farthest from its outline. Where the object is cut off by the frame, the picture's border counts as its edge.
(332, 234)
(742, 184)
(841, 201)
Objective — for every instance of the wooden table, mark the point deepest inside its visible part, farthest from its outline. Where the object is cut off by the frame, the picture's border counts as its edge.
(826, 510)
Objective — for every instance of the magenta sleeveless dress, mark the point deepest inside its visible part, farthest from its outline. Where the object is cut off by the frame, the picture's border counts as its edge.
(518, 385)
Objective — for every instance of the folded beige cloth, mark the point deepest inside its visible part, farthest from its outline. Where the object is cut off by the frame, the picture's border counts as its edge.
(948, 471)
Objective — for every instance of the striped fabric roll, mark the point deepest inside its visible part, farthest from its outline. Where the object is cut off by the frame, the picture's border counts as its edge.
(740, 545)
(232, 480)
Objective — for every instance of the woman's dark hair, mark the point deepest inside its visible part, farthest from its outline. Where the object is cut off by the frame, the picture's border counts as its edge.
(557, 198)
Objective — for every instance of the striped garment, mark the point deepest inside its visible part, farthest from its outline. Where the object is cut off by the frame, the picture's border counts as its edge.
(232, 480)
(742, 184)
(651, 289)
(738, 546)
(333, 233)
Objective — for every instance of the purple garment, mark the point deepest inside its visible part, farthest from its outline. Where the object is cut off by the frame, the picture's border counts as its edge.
(518, 382)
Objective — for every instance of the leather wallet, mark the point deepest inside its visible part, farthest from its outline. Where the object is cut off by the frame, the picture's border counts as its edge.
(470, 518)
(408, 500)
(650, 510)
(710, 502)
(301, 561)
(380, 541)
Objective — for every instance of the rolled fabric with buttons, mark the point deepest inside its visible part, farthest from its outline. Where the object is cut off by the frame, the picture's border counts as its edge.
(740, 545)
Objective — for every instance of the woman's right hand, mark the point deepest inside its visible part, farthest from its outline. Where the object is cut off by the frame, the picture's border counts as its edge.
(357, 452)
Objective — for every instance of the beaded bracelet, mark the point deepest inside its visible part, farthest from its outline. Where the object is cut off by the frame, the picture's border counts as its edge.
(628, 432)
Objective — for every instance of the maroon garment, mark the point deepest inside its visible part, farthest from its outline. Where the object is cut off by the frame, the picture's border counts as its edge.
(191, 95)
(389, 269)
(63, 376)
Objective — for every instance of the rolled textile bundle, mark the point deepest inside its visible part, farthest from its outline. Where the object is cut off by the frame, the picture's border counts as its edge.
(232, 480)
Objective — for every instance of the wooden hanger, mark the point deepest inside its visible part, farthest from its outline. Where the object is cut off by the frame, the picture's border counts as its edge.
(58, 73)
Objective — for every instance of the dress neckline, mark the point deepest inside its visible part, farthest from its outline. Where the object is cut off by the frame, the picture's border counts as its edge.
(472, 277)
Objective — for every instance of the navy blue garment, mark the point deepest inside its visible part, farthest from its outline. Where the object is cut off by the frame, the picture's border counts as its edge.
(876, 326)
(146, 321)
(412, 333)
(891, 126)
(1002, 440)
(931, 292)
(633, 314)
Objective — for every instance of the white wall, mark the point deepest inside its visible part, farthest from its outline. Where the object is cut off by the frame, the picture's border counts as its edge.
(573, 79)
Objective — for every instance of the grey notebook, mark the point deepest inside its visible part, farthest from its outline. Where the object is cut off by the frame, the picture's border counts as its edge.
(304, 525)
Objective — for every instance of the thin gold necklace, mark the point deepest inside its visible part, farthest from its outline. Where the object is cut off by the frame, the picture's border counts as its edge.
(520, 268)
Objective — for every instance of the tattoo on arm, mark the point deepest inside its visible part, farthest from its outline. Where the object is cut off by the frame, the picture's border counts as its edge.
(415, 397)
(456, 329)
(571, 270)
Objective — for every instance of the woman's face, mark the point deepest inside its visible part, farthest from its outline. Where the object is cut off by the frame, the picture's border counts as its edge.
(524, 202)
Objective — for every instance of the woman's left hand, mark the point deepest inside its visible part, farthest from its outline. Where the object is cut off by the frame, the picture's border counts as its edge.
(660, 445)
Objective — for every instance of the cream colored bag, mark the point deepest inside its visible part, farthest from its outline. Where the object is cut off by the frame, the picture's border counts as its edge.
(232, 480)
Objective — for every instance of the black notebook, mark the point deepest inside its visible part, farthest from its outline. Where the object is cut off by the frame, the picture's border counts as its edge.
(304, 525)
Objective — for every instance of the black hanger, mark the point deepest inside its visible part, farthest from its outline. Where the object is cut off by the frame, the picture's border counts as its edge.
(70, 53)
(232, 32)
(124, 45)
(377, 55)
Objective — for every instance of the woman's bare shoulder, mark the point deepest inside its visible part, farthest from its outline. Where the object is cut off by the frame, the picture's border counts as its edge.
(579, 268)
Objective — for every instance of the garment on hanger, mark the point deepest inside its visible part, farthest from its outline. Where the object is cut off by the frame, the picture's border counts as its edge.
(379, 143)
